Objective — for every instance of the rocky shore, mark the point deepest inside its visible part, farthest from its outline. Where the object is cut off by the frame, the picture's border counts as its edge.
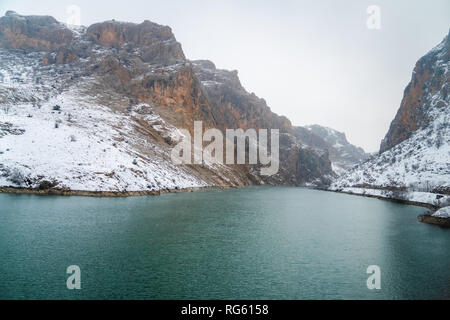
(436, 215)
(440, 217)
(430, 219)
(105, 194)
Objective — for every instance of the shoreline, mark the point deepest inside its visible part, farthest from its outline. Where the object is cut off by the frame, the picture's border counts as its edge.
(436, 221)
(408, 202)
(104, 194)
(122, 194)
(426, 217)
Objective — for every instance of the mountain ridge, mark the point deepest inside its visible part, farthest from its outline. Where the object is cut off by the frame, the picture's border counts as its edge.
(107, 102)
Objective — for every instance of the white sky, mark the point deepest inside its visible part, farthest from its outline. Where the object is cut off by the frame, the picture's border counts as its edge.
(312, 61)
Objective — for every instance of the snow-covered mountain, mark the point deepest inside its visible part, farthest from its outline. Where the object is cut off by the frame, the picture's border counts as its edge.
(343, 155)
(100, 109)
(414, 163)
(69, 119)
(64, 133)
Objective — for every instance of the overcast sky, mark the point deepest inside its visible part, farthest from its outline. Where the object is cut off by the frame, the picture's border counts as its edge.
(312, 61)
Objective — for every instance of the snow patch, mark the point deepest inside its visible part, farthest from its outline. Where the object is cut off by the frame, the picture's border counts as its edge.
(442, 213)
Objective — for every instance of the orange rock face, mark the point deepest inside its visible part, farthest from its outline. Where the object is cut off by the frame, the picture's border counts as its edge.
(157, 43)
(111, 33)
(416, 99)
(180, 96)
(233, 107)
(33, 32)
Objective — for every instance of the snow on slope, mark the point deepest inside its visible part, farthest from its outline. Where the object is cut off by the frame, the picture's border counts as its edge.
(418, 168)
(420, 163)
(434, 199)
(442, 213)
(82, 146)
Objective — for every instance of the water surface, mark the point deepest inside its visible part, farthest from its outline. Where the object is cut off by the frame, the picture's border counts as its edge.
(253, 243)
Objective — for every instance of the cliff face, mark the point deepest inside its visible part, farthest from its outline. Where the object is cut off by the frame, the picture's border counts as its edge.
(156, 43)
(42, 33)
(107, 102)
(428, 79)
(415, 153)
(234, 107)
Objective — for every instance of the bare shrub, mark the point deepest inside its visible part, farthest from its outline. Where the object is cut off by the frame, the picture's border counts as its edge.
(16, 176)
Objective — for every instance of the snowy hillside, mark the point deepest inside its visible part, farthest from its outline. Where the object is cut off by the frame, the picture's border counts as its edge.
(421, 162)
(82, 110)
(69, 141)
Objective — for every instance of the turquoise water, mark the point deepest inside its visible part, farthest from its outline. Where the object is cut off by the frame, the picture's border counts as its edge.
(254, 243)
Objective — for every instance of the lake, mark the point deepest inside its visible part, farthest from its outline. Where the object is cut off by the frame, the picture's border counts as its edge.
(251, 243)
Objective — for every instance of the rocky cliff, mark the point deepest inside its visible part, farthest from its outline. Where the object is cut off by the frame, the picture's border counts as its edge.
(415, 153)
(41, 33)
(100, 109)
(234, 107)
(429, 82)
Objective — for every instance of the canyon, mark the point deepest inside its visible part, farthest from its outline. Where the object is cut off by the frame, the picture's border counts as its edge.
(99, 110)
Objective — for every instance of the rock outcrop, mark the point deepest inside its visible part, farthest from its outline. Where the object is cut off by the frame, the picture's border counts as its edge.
(155, 43)
(234, 107)
(428, 80)
(41, 33)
